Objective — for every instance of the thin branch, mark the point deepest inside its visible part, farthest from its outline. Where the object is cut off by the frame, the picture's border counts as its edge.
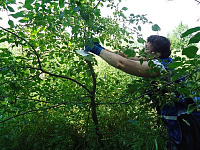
(37, 55)
(68, 78)
(55, 75)
(96, 5)
(197, 1)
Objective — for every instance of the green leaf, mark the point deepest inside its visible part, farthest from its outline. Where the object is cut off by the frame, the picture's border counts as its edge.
(131, 88)
(17, 15)
(11, 23)
(141, 40)
(61, 3)
(155, 27)
(156, 144)
(195, 38)
(61, 15)
(10, 9)
(190, 51)
(97, 12)
(89, 58)
(3, 40)
(28, 6)
(178, 75)
(139, 28)
(134, 122)
(125, 8)
(85, 16)
(3, 49)
(23, 20)
(191, 108)
(32, 70)
(29, 2)
(75, 29)
(190, 31)
(130, 52)
(175, 64)
(76, 9)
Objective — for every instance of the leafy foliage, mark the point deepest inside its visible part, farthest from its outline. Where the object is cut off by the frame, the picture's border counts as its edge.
(52, 98)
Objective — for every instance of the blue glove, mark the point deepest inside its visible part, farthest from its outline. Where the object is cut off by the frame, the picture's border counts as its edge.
(96, 49)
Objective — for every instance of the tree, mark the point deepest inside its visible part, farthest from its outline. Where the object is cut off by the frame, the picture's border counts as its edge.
(46, 87)
(177, 42)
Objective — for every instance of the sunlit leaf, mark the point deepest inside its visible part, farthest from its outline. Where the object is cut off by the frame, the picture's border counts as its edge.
(11, 23)
(155, 27)
(75, 29)
(18, 14)
(190, 51)
(61, 3)
(28, 6)
(175, 64)
(23, 20)
(10, 9)
(139, 28)
(141, 40)
(195, 38)
(29, 2)
(124, 8)
(190, 31)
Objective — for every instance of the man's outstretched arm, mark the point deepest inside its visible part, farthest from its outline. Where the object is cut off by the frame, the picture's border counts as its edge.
(132, 67)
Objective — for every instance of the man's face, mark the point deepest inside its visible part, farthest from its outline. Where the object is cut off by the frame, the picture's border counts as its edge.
(148, 47)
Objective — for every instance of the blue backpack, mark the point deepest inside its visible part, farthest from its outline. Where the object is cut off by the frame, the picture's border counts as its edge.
(171, 113)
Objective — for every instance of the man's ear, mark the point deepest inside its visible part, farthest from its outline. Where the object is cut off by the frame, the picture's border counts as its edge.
(157, 55)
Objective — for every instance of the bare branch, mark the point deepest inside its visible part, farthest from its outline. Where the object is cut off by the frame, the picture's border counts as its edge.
(97, 5)
(197, 1)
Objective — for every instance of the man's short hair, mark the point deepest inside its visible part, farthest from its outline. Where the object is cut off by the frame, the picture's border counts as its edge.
(161, 45)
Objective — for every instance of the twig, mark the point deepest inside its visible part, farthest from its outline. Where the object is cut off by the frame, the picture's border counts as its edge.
(197, 1)
(64, 77)
(96, 5)
(55, 75)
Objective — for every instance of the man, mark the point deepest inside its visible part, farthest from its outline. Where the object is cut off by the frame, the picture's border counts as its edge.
(184, 131)
(133, 65)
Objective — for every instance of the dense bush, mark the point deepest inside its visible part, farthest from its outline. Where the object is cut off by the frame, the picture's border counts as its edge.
(53, 98)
